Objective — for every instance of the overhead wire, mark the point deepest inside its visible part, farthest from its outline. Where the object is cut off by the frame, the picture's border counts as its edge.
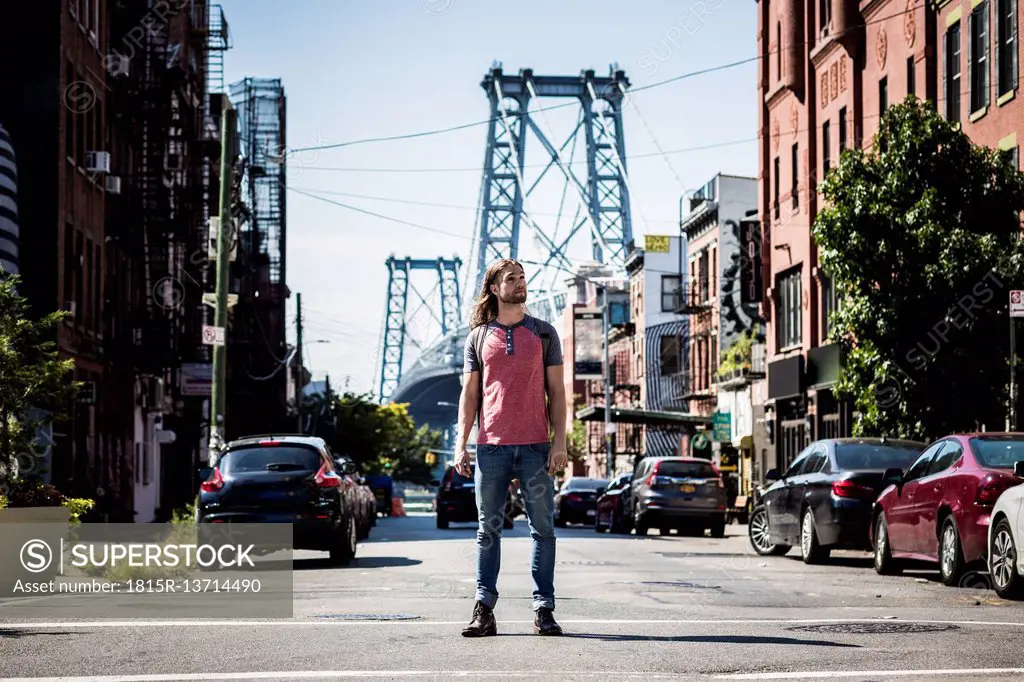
(641, 88)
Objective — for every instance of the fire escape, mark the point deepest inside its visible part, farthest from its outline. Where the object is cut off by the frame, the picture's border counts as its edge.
(693, 384)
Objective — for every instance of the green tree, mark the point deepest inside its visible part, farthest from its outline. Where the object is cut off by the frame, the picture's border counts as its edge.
(32, 375)
(382, 439)
(920, 236)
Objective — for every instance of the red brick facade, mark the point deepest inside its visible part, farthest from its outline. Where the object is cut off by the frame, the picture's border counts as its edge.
(830, 68)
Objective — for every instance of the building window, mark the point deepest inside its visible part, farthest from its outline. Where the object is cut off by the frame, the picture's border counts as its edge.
(795, 164)
(883, 95)
(978, 57)
(670, 293)
(826, 146)
(789, 311)
(1006, 42)
(778, 48)
(69, 260)
(777, 182)
(842, 130)
(911, 77)
(69, 118)
(670, 363)
(951, 72)
(828, 306)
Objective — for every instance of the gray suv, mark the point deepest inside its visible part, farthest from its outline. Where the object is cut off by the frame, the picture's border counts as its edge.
(685, 493)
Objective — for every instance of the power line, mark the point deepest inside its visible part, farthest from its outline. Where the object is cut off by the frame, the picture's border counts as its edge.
(649, 86)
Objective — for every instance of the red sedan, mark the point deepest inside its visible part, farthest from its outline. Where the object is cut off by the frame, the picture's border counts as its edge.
(938, 510)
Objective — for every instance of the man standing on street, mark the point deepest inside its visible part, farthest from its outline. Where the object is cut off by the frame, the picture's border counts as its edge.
(513, 390)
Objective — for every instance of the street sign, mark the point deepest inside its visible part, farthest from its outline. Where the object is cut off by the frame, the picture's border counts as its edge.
(722, 427)
(1017, 303)
(213, 336)
(656, 243)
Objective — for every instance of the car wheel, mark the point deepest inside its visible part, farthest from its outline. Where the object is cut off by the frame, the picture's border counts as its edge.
(884, 563)
(442, 521)
(810, 550)
(345, 551)
(718, 528)
(1006, 581)
(951, 555)
(760, 535)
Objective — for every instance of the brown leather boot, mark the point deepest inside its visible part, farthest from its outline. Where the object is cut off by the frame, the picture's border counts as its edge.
(544, 623)
(483, 623)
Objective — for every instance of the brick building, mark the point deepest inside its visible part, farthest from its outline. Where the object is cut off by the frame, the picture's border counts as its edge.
(105, 113)
(831, 69)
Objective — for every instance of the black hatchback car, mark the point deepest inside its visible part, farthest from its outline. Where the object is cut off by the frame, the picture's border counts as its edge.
(576, 500)
(456, 500)
(285, 479)
(824, 499)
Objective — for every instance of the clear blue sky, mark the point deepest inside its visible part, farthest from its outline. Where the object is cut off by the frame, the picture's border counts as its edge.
(355, 70)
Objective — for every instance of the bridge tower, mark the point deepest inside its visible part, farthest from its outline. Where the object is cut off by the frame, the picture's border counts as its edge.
(602, 196)
(444, 310)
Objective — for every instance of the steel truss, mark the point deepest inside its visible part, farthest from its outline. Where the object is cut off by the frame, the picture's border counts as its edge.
(603, 196)
(396, 332)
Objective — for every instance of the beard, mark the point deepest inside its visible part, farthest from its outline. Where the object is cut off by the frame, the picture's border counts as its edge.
(513, 299)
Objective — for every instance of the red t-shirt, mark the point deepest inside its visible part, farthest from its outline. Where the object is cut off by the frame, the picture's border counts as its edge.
(513, 404)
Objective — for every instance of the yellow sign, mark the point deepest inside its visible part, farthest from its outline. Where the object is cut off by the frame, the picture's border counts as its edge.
(656, 243)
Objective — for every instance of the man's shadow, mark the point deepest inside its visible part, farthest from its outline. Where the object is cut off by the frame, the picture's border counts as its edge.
(702, 639)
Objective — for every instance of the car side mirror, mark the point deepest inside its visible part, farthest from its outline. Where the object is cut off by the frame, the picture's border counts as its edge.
(773, 475)
(345, 466)
(205, 472)
(893, 476)
(1018, 469)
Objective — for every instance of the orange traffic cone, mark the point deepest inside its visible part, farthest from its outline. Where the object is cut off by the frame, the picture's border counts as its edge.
(397, 506)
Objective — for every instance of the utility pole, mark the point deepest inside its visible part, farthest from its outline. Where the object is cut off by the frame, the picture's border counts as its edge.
(608, 429)
(225, 240)
(298, 349)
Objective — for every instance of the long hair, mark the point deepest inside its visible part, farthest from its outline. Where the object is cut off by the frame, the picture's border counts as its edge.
(486, 307)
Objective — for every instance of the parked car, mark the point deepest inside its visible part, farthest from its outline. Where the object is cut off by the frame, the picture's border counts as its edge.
(824, 500)
(456, 500)
(383, 488)
(1006, 536)
(938, 511)
(576, 500)
(367, 502)
(613, 507)
(686, 493)
(285, 479)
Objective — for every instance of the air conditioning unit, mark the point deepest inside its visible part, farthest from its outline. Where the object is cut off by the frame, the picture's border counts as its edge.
(97, 162)
(113, 184)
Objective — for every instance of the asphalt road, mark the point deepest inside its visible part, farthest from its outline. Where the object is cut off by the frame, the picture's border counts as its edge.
(681, 607)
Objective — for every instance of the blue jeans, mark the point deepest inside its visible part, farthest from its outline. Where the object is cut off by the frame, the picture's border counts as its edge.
(496, 466)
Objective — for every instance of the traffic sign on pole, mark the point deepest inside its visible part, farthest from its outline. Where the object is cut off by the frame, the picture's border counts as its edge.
(1017, 303)
(213, 336)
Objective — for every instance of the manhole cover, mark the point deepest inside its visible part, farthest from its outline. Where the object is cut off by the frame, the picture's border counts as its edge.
(875, 628)
(368, 616)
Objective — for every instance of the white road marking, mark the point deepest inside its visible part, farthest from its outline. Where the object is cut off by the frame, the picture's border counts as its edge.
(320, 674)
(27, 625)
(812, 675)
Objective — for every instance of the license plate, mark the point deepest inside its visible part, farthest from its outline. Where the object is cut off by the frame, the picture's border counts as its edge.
(687, 489)
(591, 512)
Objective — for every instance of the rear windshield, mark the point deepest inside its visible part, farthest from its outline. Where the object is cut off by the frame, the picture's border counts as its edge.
(586, 484)
(998, 452)
(687, 469)
(285, 457)
(875, 456)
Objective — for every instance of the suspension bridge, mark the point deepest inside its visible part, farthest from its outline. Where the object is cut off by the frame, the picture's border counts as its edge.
(511, 196)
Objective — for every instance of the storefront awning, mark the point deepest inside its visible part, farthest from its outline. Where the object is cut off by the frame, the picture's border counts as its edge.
(595, 413)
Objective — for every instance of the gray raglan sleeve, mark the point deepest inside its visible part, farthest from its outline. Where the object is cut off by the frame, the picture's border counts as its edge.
(554, 356)
(471, 363)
